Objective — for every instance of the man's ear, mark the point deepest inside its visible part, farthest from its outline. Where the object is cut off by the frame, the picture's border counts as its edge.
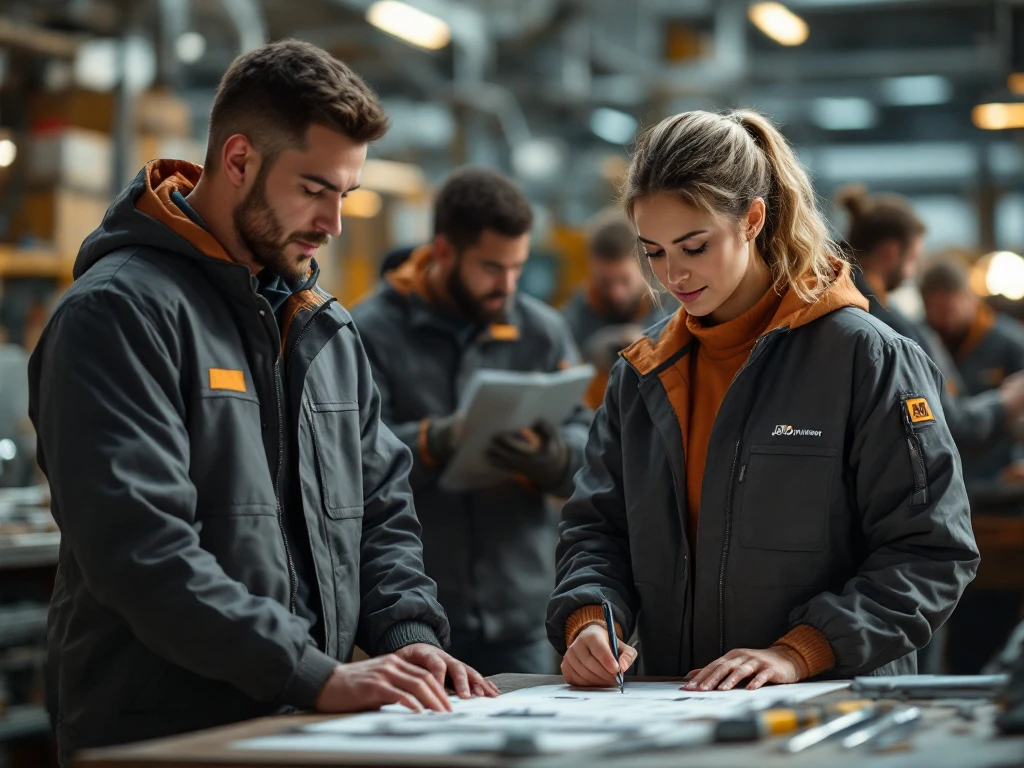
(444, 251)
(239, 160)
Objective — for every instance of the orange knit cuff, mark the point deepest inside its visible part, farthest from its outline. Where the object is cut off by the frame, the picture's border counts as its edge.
(425, 457)
(812, 646)
(584, 617)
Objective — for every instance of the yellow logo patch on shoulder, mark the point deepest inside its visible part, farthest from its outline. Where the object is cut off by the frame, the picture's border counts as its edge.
(223, 378)
(504, 332)
(919, 410)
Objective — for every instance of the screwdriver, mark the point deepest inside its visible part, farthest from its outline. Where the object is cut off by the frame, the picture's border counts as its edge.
(781, 720)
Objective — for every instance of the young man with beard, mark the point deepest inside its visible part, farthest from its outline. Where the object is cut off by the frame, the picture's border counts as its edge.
(234, 515)
(447, 311)
(616, 305)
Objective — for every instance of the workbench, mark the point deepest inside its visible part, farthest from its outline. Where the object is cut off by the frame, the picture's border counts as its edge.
(943, 740)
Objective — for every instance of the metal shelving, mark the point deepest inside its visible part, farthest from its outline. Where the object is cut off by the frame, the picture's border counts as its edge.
(24, 720)
(21, 623)
(29, 550)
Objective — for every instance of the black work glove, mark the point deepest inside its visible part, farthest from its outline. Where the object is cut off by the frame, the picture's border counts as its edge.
(540, 455)
(443, 434)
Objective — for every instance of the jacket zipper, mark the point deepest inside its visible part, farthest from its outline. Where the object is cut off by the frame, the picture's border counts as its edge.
(918, 472)
(729, 499)
(920, 496)
(291, 564)
(725, 551)
(293, 577)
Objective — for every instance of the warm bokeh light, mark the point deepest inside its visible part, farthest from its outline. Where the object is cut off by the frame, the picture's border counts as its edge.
(409, 24)
(998, 117)
(779, 23)
(362, 204)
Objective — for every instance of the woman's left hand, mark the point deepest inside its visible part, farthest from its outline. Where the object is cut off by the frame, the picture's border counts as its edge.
(770, 665)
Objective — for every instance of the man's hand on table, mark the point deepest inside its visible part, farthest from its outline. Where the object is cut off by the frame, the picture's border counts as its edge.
(466, 681)
(413, 676)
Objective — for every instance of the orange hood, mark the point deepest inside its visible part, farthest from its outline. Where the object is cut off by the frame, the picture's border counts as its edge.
(647, 354)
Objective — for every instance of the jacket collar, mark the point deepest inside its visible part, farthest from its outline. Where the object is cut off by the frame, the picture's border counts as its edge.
(670, 339)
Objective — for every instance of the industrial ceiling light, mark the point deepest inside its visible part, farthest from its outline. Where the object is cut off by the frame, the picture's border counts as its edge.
(409, 24)
(1005, 275)
(539, 159)
(917, 90)
(779, 23)
(848, 114)
(1015, 82)
(8, 151)
(998, 117)
(190, 47)
(613, 126)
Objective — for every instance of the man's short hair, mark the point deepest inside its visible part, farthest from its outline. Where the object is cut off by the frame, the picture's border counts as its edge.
(472, 200)
(613, 240)
(945, 276)
(274, 93)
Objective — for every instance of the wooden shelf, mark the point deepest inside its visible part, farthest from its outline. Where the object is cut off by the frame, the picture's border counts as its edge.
(21, 262)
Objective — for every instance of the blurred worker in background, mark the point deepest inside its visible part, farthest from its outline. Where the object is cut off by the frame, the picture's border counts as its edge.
(987, 347)
(234, 515)
(450, 309)
(616, 305)
(886, 240)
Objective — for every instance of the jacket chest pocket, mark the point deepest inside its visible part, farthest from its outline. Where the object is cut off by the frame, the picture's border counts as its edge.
(337, 443)
(785, 497)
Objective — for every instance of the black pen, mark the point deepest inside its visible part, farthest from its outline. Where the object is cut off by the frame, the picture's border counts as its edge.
(609, 621)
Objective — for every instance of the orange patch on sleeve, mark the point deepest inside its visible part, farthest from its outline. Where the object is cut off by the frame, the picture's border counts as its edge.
(919, 410)
(222, 378)
(503, 332)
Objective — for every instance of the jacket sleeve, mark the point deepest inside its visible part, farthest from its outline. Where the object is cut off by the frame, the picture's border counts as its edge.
(577, 426)
(398, 601)
(976, 422)
(914, 515)
(593, 555)
(110, 416)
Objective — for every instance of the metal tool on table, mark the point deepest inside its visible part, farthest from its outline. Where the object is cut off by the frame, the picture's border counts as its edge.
(929, 686)
(871, 731)
(779, 721)
(1010, 719)
(829, 729)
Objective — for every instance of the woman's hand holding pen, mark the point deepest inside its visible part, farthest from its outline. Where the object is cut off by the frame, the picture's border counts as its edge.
(589, 661)
(778, 664)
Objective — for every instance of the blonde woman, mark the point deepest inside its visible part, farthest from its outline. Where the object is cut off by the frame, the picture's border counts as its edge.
(770, 490)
